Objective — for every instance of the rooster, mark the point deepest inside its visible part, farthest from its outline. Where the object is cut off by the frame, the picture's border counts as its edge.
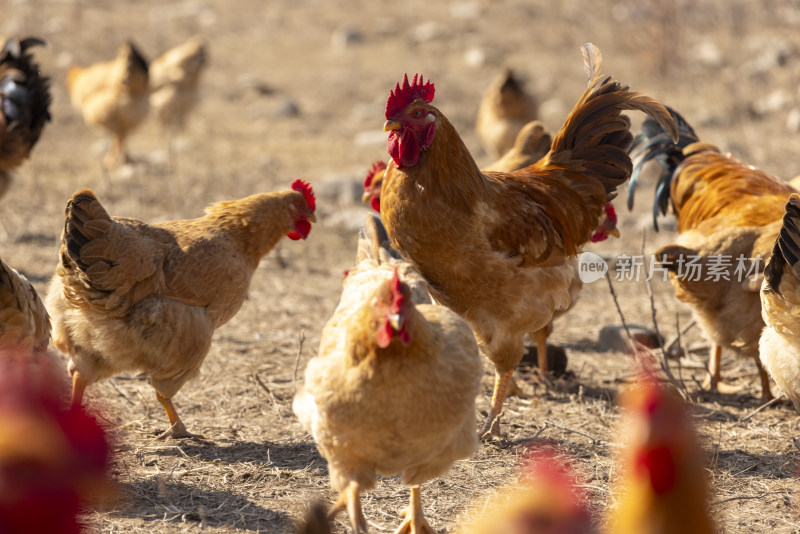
(500, 248)
(385, 356)
(779, 345)
(662, 488)
(113, 95)
(725, 209)
(504, 109)
(24, 105)
(130, 296)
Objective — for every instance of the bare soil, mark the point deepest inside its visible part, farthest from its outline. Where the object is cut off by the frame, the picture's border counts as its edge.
(731, 67)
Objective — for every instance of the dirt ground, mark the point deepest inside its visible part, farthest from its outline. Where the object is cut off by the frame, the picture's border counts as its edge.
(731, 67)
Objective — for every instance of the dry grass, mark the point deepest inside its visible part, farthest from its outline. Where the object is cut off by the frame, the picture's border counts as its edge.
(715, 61)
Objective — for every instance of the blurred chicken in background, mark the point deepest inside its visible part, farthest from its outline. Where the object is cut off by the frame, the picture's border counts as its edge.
(24, 104)
(504, 109)
(113, 95)
(52, 458)
(174, 83)
(663, 488)
(24, 322)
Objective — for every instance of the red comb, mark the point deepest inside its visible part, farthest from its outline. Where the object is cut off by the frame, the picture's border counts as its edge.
(611, 213)
(373, 170)
(406, 93)
(304, 187)
(397, 293)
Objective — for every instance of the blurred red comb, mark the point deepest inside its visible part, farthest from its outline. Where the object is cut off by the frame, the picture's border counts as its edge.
(374, 169)
(404, 94)
(305, 188)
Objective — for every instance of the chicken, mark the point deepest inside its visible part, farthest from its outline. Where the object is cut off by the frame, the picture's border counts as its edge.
(24, 105)
(500, 248)
(531, 144)
(549, 499)
(52, 459)
(504, 109)
(174, 82)
(779, 345)
(383, 360)
(372, 185)
(662, 488)
(130, 296)
(24, 322)
(113, 95)
(728, 215)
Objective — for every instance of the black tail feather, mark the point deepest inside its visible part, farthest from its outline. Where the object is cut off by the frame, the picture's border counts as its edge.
(787, 247)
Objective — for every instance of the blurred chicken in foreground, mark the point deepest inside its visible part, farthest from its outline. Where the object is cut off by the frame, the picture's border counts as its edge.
(662, 488)
(113, 95)
(728, 216)
(24, 322)
(504, 109)
(24, 104)
(392, 390)
(130, 296)
(52, 458)
(174, 82)
(549, 499)
(780, 304)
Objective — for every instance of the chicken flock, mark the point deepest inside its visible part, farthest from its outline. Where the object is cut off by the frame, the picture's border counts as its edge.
(392, 388)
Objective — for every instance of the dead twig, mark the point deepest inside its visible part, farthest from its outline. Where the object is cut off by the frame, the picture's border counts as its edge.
(301, 340)
(261, 383)
(762, 407)
(594, 439)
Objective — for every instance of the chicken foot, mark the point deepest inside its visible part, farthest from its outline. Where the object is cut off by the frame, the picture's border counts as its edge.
(501, 383)
(79, 384)
(414, 522)
(177, 429)
(540, 337)
(349, 500)
(713, 381)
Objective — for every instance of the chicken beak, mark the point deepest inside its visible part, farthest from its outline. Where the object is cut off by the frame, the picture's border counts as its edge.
(311, 218)
(366, 196)
(613, 231)
(396, 320)
(390, 125)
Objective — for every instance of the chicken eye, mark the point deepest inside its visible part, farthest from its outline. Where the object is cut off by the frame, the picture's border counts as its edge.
(417, 114)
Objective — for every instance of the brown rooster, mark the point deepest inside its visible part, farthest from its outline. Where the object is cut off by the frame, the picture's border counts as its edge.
(129, 296)
(113, 95)
(499, 248)
(504, 109)
(24, 105)
(386, 357)
(726, 210)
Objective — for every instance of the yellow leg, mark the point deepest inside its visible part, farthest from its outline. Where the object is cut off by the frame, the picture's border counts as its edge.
(501, 381)
(349, 500)
(766, 392)
(540, 336)
(79, 384)
(713, 381)
(177, 429)
(515, 391)
(414, 522)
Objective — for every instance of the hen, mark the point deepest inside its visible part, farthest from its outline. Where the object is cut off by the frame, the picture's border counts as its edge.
(728, 212)
(504, 109)
(52, 458)
(384, 359)
(24, 322)
(174, 82)
(130, 296)
(113, 95)
(780, 302)
(24, 105)
(662, 489)
(499, 248)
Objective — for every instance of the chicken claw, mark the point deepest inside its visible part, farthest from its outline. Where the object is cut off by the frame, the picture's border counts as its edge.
(177, 429)
(491, 428)
(414, 522)
(349, 500)
(713, 380)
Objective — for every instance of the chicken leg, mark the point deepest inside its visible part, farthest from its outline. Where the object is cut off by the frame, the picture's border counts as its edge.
(540, 337)
(766, 392)
(491, 428)
(349, 499)
(177, 429)
(79, 384)
(414, 522)
(713, 380)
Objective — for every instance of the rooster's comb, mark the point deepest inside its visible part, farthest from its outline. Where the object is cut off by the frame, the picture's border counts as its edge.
(376, 167)
(406, 93)
(611, 213)
(397, 293)
(305, 188)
